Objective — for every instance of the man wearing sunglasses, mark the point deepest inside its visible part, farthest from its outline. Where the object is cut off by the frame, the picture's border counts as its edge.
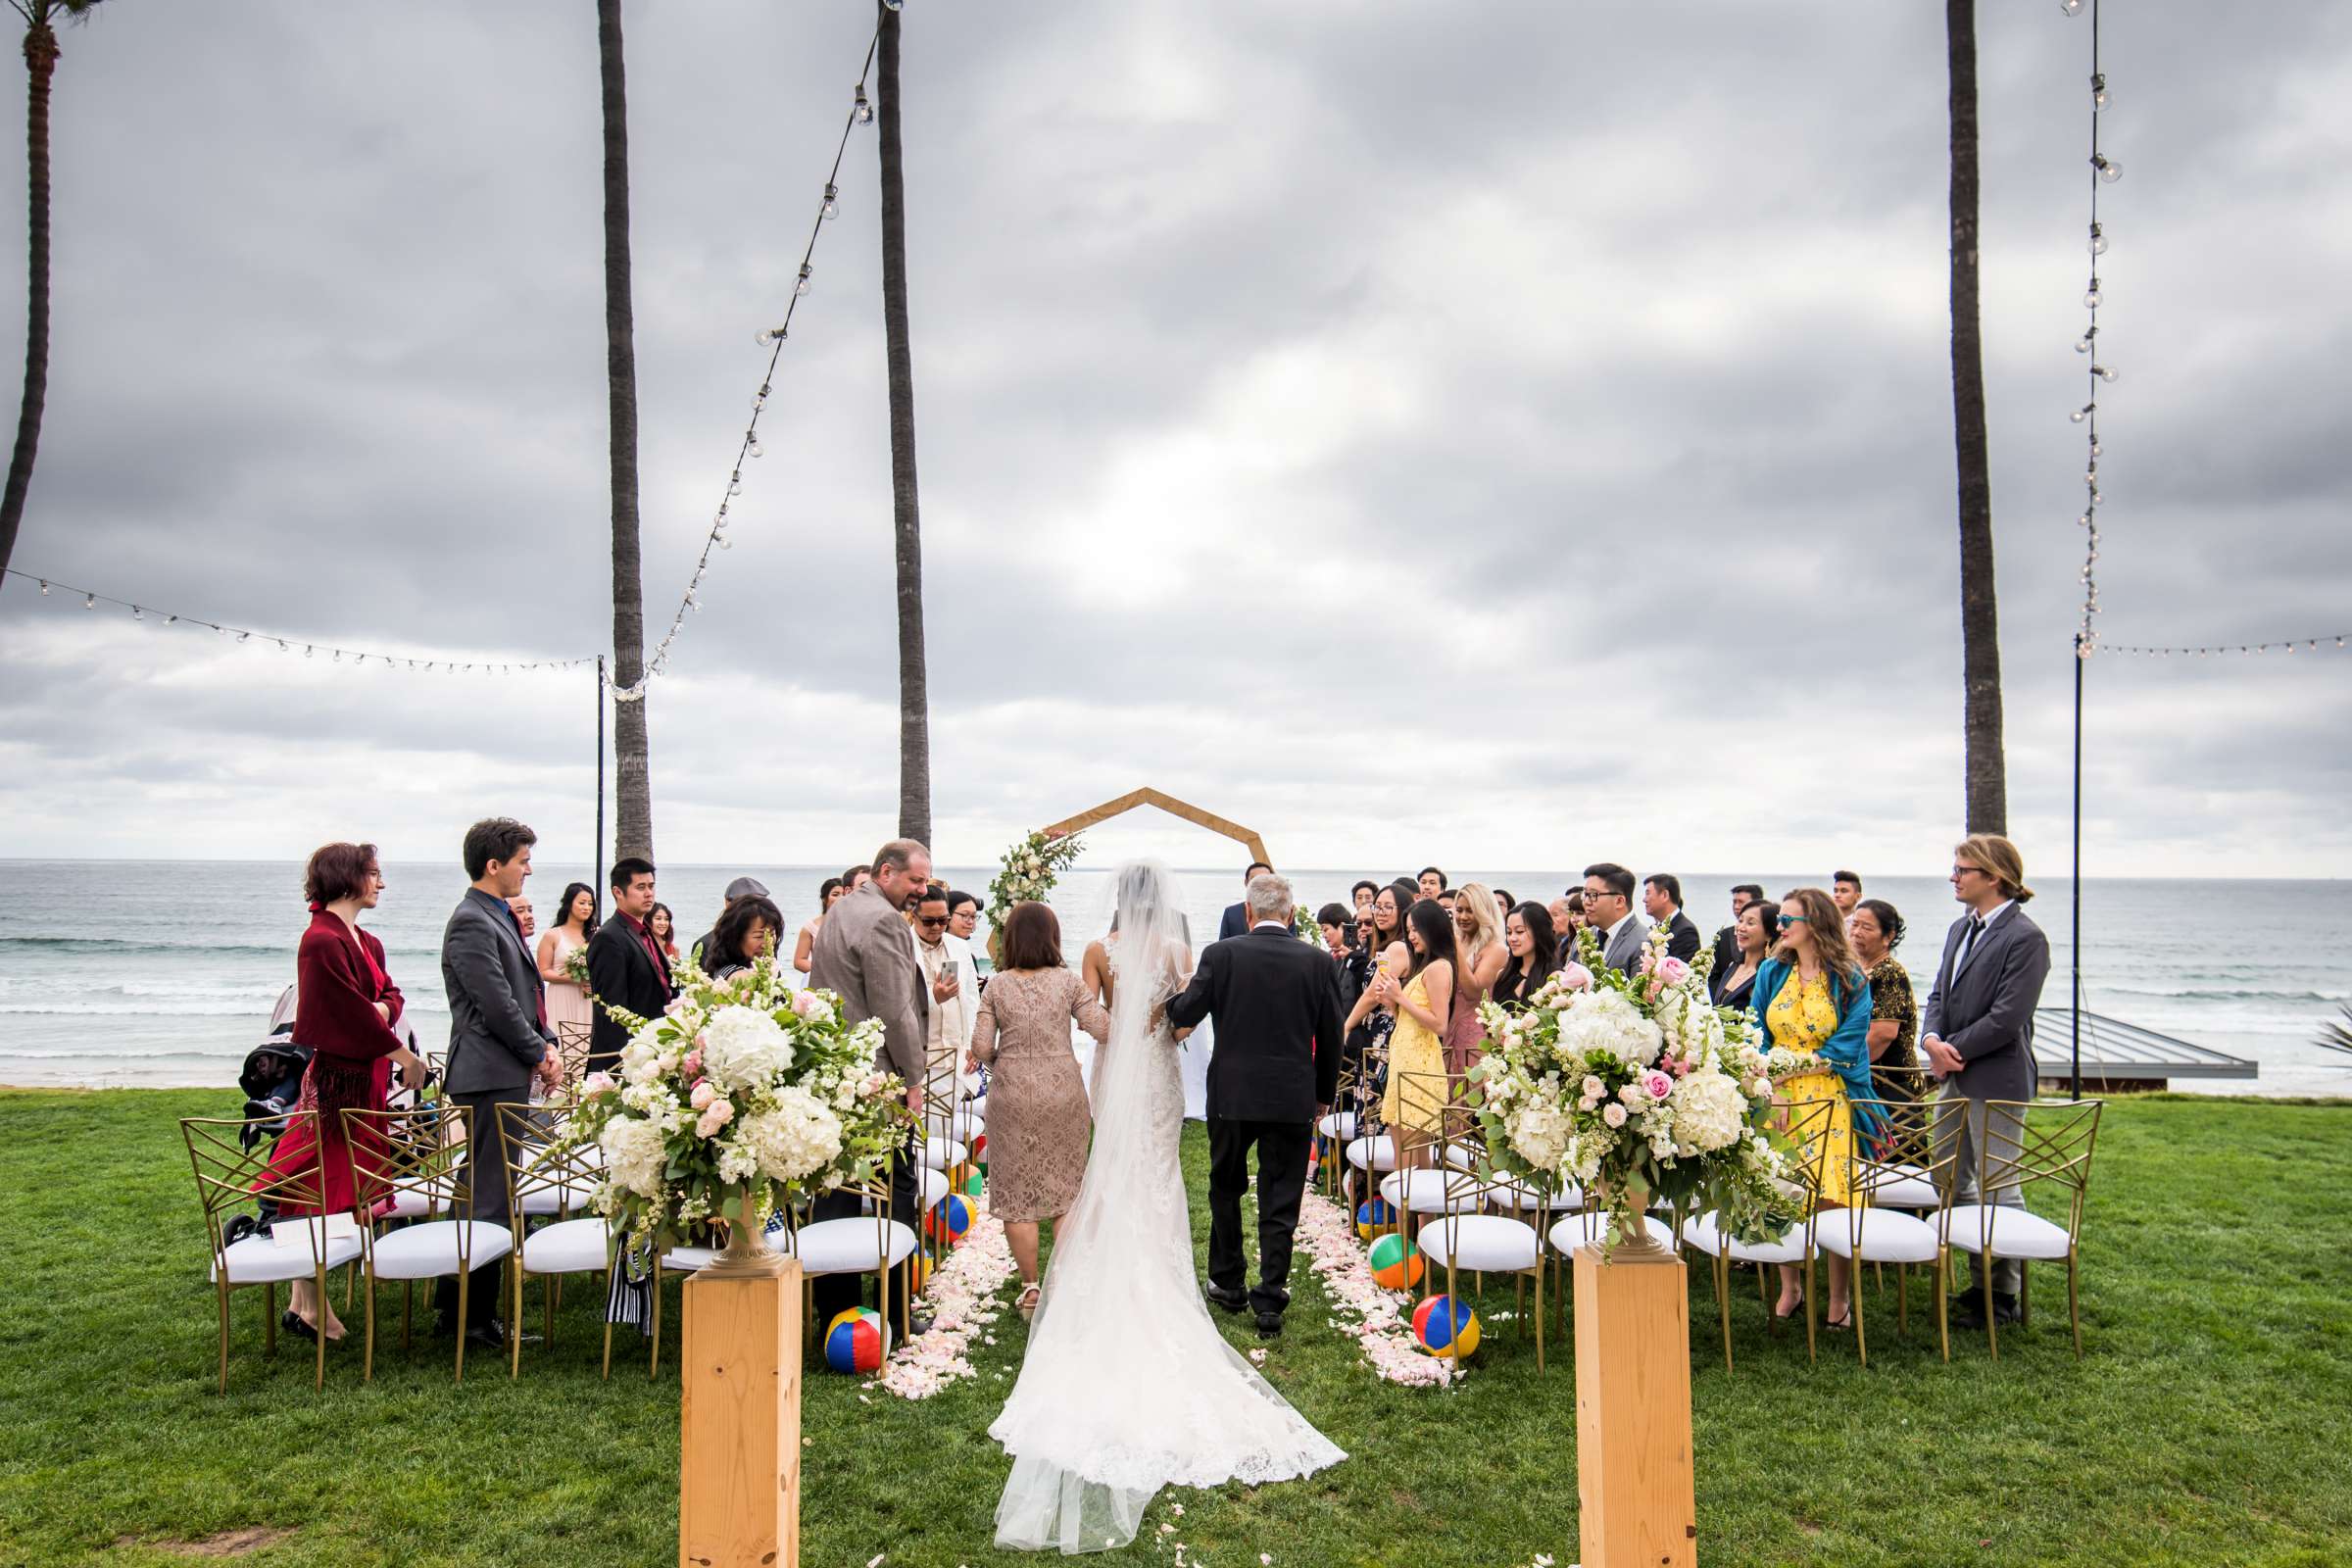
(947, 961)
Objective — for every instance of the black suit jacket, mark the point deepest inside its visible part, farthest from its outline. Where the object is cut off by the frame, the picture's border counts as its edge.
(1681, 938)
(1234, 922)
(1277, 1006)
(1727, 951)
(621, 973)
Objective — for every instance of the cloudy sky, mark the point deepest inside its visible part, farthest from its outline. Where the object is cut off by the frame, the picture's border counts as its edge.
(1511, 434)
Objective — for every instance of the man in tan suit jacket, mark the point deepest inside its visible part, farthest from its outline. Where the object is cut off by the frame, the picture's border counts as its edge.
(864, 953)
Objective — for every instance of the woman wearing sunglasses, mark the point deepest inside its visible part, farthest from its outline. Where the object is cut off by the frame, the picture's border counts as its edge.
(1812, 995)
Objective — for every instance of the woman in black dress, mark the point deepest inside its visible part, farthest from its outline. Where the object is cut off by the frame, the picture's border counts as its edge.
(1534, 949)
(1755, 932)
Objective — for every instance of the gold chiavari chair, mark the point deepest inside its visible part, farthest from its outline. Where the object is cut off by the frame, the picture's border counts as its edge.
(1915, 1150)
(541, 1173)
(871, 1242)
(1807, 1129)
(419, 1153)
(1462, 1236)
(571, 1049)
(297, 1246)
(1337, 1128)
(2030, 1143)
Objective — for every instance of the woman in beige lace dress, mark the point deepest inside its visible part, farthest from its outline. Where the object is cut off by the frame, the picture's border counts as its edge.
(1038, 1121)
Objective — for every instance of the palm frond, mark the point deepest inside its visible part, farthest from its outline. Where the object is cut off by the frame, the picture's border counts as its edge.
(2336, 1034)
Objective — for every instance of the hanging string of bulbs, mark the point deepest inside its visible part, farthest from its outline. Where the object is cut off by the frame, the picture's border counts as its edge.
(2104, 171)
(2310, 645)
(770, 338)
(91, 599)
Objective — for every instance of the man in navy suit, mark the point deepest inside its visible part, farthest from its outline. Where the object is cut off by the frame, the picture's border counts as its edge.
(1977, 1031)
(1662, 899)
(1236, 919)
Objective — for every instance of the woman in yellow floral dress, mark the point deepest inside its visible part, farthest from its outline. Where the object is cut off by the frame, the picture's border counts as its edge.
(1813, 996)
(1424, 1001)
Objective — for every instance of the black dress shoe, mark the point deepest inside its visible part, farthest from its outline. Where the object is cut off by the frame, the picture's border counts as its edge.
(920, 1326)
(1229, 1300)
(1269, 1325)
(1965, 1312)
(2006, 1309)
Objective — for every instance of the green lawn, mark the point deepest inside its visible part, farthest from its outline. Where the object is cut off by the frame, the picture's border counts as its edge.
(2208, 1423)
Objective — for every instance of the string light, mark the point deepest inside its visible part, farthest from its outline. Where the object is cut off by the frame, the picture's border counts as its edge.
(91, 599)
(773, 339)
(2104, 171)
(2327, 642)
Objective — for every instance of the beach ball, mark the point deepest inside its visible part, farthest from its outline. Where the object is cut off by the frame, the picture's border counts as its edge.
(918, 1271)
(974, 1184)
(1444, 1326)
(1374, 1215)
(949, 1219)
(980, 1151)
(1396, 1262)
(855, 1340)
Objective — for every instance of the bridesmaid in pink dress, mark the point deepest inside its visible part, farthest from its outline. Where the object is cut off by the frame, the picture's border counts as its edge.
(566, 998)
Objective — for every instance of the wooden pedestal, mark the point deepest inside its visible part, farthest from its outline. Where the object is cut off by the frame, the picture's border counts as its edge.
(739, 1457)
(1633, 1413)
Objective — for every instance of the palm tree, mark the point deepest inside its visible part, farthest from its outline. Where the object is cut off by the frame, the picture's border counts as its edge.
(633, 832)
(2337, 1036)
(1979, 621)
(915, 704)
(40, 66)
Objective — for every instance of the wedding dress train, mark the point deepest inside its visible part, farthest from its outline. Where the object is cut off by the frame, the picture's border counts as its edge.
(1127, 1386)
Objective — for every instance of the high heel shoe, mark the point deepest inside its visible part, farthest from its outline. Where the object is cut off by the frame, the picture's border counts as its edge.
(293, 1324)
(1843, 1324)
(1780, 1316)
(1027, 1305)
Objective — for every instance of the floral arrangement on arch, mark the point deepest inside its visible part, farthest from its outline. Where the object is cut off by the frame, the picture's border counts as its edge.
(1030, 868)
(1629, 1085)
(741, 1096)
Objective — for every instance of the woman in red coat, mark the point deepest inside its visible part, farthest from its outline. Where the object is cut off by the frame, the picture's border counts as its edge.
(345, 1008)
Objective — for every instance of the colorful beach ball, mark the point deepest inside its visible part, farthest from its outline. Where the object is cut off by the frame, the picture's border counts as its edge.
(949, 1219)
(1444, 1326)
(855, 1340)
(980, 1151)
(918, 1271)
(1396, 1262)
(974, 1184)
(1374, 1215)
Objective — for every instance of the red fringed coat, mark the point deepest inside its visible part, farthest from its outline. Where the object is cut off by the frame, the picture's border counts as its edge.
(338, 981)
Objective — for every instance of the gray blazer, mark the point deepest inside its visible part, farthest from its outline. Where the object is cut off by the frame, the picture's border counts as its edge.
(1987, 1015)
(864, 953)
(495, 1038)
(1626, 952)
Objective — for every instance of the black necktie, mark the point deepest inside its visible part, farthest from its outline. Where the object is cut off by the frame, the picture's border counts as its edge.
(1968, 944)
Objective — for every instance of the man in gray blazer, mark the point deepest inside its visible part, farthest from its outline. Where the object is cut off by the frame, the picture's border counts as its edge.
(498, 1041)
(1609, 910)
(1977, 1032)
(864, 953)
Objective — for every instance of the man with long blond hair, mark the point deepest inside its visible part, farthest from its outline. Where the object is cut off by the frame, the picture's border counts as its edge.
(1977, 1033)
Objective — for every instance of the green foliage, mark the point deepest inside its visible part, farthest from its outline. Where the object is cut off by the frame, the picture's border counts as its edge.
(2204, 1426)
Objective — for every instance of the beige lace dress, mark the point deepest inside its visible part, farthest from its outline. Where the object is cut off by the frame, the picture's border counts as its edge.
(1037, 1120)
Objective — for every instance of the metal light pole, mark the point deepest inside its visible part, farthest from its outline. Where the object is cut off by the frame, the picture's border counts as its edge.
(2075, 1075)
(596, 887)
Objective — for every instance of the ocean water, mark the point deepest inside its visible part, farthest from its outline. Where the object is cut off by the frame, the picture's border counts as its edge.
(118, 973)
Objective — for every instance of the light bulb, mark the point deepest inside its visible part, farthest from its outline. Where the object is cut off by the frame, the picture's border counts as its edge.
(725, 543)
(2096, 449)
(2098, 240)
(2091, 297)
(894, 5)
(2073, 8)
(244, 636)
(136, 614)
(801, 285)
(751, 444)
(171, 620)
(766, 336)
(2106, 373)
(89, 601)
(2097, 499)
(2082, 412)
(2109, 169)
(308, 652)
(44, 582)
(860, 110)
(2100, 97)
(831, 206)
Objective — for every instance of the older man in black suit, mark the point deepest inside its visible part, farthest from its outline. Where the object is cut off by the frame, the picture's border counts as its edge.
(1276, 1000)
(498, 1041)
(626, 967)
(1977, 1032)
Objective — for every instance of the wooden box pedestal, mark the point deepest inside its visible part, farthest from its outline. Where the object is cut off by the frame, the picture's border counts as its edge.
(739, 1455)
(1632, 1412)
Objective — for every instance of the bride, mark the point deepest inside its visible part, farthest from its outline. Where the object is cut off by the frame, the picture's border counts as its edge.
(1127, 1386)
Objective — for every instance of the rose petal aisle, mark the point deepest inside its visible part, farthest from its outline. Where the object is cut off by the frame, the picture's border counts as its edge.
(1373, 1314)
(962, 1296)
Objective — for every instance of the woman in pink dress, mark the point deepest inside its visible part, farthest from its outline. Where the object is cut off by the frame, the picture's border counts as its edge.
(566, 998)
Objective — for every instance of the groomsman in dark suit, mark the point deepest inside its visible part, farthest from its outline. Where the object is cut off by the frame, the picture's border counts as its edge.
(626, 967)
(1977, 1031)
(1662, 900)
(1236, 919)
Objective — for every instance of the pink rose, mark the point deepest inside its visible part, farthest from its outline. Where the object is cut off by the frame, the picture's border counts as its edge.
(1657, 1084)
(1576, 977)
(677, 1006)
(1613, 1114)
(716, 1116)
(704, 1092)
(1674, 971)
(692, 1066)
(596, 1083)
(808, 1005)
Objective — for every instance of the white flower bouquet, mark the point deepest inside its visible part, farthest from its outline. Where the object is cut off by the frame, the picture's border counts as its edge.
(744, 1094)
(1626, 1086)
(576, 966)
(1030, 868)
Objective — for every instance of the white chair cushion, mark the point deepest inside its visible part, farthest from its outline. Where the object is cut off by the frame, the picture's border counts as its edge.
(430, 1251)
(850, 1247)
(2016, 1232)
(941, 1152)
(1337, 1124)
(574, 1247)
(1578, 1230)
(934, 1185)
(687, 1259)
(1899, 1187)
(1461, 1159)
(1705, 1234)
(1429, 1192)
(1885, 1237)
(1372, 1153)
(1487, 1242)
(555, 1199)
(260, 1261)
(409, 1202)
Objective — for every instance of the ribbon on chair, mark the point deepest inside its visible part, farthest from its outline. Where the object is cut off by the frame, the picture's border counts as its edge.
(632, 1294)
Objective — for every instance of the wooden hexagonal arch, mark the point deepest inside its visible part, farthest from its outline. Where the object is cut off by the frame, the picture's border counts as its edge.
(1168, 804)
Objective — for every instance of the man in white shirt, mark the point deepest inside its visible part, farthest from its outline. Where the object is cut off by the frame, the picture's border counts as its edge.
(946, 963)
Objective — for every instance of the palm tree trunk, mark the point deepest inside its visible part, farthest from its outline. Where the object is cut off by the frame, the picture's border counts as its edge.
(915, 704)
(40, 64)
(633, 833)
(1980, 627)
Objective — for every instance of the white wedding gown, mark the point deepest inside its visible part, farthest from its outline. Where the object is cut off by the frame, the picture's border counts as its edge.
(1127, 1386)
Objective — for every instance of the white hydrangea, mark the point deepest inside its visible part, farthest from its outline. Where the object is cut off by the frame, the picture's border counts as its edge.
(1603, 1020)
(641, 1057)
(635, 1155)
(743, 1048)
(798, 1137)
(736, 1162)
(1539, 1134)
(1709, 1110)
